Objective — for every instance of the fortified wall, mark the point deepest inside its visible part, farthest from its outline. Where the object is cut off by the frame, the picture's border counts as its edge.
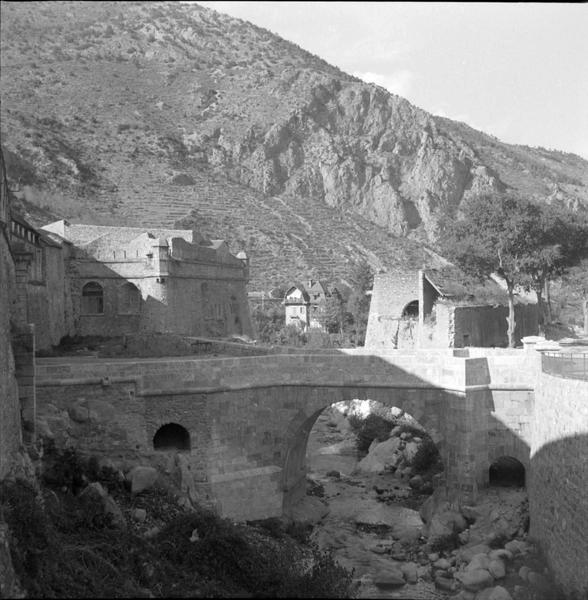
(558, 486)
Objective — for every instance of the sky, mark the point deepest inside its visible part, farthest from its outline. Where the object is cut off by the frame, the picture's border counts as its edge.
(518, 71)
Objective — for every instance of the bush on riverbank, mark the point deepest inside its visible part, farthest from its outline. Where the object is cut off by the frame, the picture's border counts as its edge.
(69, 540)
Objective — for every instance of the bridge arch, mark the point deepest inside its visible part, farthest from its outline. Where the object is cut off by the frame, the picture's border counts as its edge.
(422, 405)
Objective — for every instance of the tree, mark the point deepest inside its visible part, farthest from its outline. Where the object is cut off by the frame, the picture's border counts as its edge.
(333, 313)
(560, 237)
(358, 303)
(497, 234)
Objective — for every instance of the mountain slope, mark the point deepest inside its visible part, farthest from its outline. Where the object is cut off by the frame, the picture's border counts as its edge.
(154, 113)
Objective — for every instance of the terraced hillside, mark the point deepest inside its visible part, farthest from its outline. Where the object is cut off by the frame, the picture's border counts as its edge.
(163, 113)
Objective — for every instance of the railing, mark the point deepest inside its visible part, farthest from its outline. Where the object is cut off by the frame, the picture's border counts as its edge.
(572, 365)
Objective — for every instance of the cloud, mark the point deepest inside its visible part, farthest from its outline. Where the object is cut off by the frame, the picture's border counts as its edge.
(399, 82)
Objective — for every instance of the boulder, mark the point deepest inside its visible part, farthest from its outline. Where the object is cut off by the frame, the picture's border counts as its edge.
(410, 451)
(516, 547)
(497, 568)
(389, 578)
(494, 593)
(500, 553)
(524, 572)
(442, 564)
(309, 510)
(416, 482)
(479, 561)
(142, 478)
(139, 514)
(409, 570)
(94, 492)
(381, 456)
(444, 582)
(475, 580)
(466, 554)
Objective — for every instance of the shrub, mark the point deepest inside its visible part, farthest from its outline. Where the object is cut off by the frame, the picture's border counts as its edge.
(373, 427)
(426, 456)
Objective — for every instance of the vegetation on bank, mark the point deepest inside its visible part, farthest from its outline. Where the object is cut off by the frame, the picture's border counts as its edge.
(65, 545)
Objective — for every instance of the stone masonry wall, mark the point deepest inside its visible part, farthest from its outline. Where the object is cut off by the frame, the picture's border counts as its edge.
(10, 428)
(558, 498)
(390, 294)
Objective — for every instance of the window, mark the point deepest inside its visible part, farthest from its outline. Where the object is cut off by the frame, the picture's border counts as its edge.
(92, 299)
(129, 299)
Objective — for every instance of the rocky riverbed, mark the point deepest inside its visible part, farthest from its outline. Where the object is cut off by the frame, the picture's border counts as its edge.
(381, 519)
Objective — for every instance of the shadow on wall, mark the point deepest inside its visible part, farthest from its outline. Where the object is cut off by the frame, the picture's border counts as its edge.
(558, 502)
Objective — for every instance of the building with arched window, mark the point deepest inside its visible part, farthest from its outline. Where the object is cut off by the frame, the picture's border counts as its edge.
(129, 280)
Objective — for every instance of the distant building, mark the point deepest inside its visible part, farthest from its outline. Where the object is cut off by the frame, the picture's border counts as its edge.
(305, 304)
(130, 280)
(434, 308)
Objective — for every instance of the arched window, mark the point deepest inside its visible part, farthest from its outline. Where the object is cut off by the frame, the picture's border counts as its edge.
(411, 310)
(92, 299)
(129, 299)
(171, 437)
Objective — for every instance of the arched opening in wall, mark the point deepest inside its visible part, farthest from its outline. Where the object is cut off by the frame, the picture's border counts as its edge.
(171, 437)
(366, 442)
(507, 471)
(411, 310)
(92, 299)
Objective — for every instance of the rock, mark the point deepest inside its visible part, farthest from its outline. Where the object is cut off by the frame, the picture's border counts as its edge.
(497, 568)
(469, 512)
(381, 456)
(309, 510)
(442, 564)
(494, 593)
(410, 451)
(475, 580)
(139, 514)
(464, 595)
(195, 536)
(444, 583)
(390, 578)
(94, 492)
(416, 482)
(142, 478)
(464, 537)
(423, 572)
(537, 580)
(433, 556)
(410, 572)
(151, 533)
(417, 440)
(405, 436)
(334, 474)
(516, 547)
(466, 554)
(479, 561)
(500, 553)
(524, 572)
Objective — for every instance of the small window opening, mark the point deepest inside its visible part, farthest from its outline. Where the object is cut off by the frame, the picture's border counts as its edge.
(171, 437)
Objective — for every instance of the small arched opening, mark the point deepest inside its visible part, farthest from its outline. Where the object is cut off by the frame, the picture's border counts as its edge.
(411, 310)
(171, 437)
(507, 471)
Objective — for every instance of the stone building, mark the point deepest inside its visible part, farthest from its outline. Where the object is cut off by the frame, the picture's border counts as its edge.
(435, 309)
(305, 305)
(42, 286)
(128, 280)
(10, 427)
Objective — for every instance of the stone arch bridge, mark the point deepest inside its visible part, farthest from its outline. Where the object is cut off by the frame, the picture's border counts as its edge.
(249, 418)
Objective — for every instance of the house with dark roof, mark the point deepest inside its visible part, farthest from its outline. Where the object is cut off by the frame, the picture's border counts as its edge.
(305, 304)
(443, 308)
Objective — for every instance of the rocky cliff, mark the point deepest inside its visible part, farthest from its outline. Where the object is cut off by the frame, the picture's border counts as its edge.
(153, 113)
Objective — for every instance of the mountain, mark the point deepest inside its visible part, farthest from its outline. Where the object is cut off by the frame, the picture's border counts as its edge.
(171, 113)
